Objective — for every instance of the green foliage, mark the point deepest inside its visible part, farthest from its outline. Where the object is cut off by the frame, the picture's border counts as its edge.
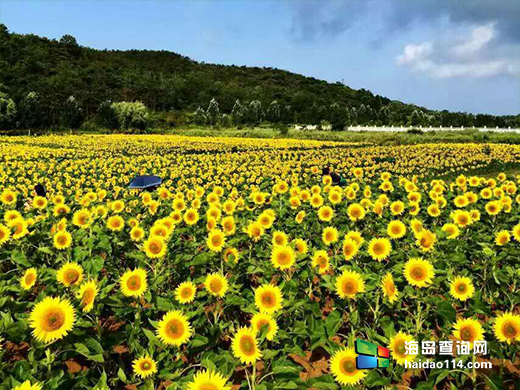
(7, 111)
(130, 115)
(30, 110)
(71, 113)
(164, 80)
(199, 117)
(213, 113)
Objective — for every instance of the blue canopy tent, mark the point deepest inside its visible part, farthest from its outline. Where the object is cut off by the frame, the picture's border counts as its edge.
(146, 182)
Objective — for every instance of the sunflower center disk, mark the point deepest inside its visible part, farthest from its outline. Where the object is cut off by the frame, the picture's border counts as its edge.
(134, 283)
(215, 286)
(348, 366)
(510, 330)
(247, 346)
(53, 321)
(175, 329)
(268, 300)
(418, 273)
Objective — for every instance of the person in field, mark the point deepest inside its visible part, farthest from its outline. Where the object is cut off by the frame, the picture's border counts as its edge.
(336, 178)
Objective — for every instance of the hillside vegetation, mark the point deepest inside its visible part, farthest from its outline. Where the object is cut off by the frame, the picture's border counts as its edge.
(58, 83)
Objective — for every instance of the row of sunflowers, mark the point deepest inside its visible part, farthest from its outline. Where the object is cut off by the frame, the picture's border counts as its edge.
(248, 268)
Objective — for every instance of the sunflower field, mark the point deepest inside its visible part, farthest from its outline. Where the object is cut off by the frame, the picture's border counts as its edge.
(249, 269)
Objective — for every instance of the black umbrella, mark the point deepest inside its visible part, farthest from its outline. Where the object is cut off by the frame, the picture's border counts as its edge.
(143, 182)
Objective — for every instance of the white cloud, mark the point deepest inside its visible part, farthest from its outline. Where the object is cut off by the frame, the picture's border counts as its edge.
(415, 53)
(474, 57)
(479, 39)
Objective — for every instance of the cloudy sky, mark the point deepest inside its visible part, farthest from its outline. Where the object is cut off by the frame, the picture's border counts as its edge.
(461, 55)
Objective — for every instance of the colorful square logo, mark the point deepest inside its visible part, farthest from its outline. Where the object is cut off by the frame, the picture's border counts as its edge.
(371, 356)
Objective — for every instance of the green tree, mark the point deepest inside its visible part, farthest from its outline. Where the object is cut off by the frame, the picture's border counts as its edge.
(238, 114)
(199, 117)
(30, 110)
(131, 115)
(213, 113)
(7, 111)
(255, 113)
(106, 115)
(71, 113)
(274, 112)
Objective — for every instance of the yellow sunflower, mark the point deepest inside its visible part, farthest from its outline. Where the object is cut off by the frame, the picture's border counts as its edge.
(62, 240)
(28, 386)
(279, 238)
(356, 237)
(468, 330)
(245, 346)
(8, 197)
(144, 367)
(174, 328)
(330, 235)
(350, 249)
(116, 223)
(260, 320)
(349, 284)
(515, 232)
(507, 328)
(136, 234)
(216, 285)
(389, 289)
(379, 248)
(426, 240)
(451, 230)
(419, 272)
(396, 229)
(343, 367)
(208, 380)
(87, 294)
(268, 298)
(19, 227)
(325, 213)
(82, 218)
(300, 246)
(185, 293)
(320, 259)
(70, 274)
(355, 212)
(5, 234)
(461, 218)
(231, 255)
(397, 346)
(502, 238)
(283, 257)
(28, 279)
(155, 247)
(51, 319)
(462, 288)
(493, 208)
(133, 283)
(216, 240)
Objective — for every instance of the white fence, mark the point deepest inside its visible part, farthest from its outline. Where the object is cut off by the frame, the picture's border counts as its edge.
(406, 128)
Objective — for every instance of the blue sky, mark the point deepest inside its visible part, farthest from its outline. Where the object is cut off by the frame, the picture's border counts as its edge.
(460, 55)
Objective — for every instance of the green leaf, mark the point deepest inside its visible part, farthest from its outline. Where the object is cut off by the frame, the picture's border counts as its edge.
(121, 374)
(199, 341)
(446, 310)
(20, 258)
(45, 249)
(374, 379)
(150, 335)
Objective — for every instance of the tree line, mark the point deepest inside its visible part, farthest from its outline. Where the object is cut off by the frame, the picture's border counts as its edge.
(48, 83)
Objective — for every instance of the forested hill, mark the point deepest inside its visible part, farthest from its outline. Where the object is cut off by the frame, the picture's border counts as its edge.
(166, 81)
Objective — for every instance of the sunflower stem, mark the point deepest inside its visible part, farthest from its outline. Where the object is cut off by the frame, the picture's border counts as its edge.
(253, 377)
